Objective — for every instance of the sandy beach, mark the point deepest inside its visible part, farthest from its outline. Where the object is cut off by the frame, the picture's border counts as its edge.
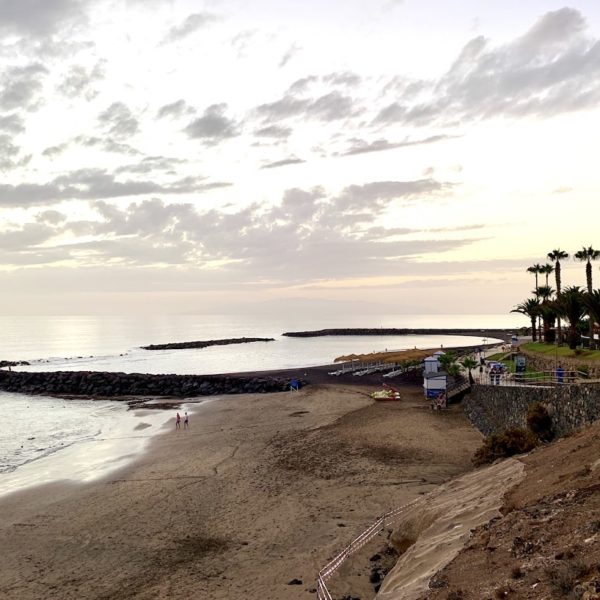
(260, 491)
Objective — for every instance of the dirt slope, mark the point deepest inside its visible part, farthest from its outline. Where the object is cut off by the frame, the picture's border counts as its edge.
(546, 544)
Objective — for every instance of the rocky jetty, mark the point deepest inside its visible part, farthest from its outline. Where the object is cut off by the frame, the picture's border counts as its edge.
(105, 384)
(499, 333)
(12, 363)
(205, 344)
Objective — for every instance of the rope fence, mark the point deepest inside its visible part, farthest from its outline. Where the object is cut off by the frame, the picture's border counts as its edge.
(354, 546)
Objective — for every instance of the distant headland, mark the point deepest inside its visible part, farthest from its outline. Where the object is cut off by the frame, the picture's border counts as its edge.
(484, 333)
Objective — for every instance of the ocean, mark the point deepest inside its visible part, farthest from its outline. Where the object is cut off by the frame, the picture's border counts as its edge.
(37, 429)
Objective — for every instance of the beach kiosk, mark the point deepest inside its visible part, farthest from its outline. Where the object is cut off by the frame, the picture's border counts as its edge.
(435, 384)
(431, 364)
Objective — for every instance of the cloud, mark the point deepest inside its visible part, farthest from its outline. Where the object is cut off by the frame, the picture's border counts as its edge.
(289, 54)
(93, 184)
(52, 217)
(10, 156)
(175, 109)
(190, 25)
(360, 146)
(343, 78)
(377, 195)
(106, 144)
(21, 86)
(328, 107)
(241, 42)
(553, 68)
(30, 234)
(292, 160)
(151, 164)
(308, 236)
(273, 131)
(54, 151)
(213, 126)
(13, 124)
(80, 81)
(38, 17)
(118, 120)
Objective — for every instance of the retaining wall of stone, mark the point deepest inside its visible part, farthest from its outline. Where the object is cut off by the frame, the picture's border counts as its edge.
(92, 383)
(493, 409)
(540, 362)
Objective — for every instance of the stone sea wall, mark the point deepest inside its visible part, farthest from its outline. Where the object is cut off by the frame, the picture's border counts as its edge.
(540, 362)
(493, 409)
(92, 383)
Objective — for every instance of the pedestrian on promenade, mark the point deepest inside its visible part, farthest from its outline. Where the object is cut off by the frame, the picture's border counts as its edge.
(560, 374)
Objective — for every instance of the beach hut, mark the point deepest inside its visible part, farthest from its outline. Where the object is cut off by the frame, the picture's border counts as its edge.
(435, 384)
(432, 364)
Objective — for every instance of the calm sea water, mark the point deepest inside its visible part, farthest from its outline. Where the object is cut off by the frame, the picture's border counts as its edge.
(32, 428)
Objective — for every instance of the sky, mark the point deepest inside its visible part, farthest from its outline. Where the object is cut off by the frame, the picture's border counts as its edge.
(395, 156)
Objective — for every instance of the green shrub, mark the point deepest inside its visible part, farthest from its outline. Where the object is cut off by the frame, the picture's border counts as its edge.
(503, 445)
(540, 422)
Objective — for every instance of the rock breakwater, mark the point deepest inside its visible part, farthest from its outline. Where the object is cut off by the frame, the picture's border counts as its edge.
(107, 384)
(204, 344)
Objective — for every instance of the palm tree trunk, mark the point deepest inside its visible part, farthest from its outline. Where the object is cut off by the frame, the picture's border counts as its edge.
(558, 326)
(533, 332)
(588, 276)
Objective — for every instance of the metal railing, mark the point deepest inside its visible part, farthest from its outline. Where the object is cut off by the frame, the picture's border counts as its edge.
(354, 546)
(534, 379)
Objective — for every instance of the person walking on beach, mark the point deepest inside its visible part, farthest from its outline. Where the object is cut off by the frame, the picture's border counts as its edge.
(186, 421)
(178, 421)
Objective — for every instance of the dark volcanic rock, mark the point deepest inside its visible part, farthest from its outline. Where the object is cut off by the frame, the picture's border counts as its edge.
(12, 363)
(204, 344)
(85, 383)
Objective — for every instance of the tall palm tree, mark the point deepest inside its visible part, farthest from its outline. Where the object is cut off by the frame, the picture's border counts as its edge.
(557, 255)
(529, 308)
(546, 312)
(570, 305)
(547, 270)
(536, 270)
(587, 255)
(591, 301)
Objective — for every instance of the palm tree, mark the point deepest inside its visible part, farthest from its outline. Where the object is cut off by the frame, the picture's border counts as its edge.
(548, 313)
(591, 301)
(529, 308)
(587, 255)
(570, 305)
(547, 270)
(536, 270)
(544, 292)
(447, 359)
(468, 364)
(557, 255)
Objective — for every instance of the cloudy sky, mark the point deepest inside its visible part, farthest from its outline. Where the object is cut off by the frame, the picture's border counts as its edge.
(179, 156)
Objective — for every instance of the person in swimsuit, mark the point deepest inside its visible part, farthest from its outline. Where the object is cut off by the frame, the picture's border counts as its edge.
(178, 421)
(186, 421)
